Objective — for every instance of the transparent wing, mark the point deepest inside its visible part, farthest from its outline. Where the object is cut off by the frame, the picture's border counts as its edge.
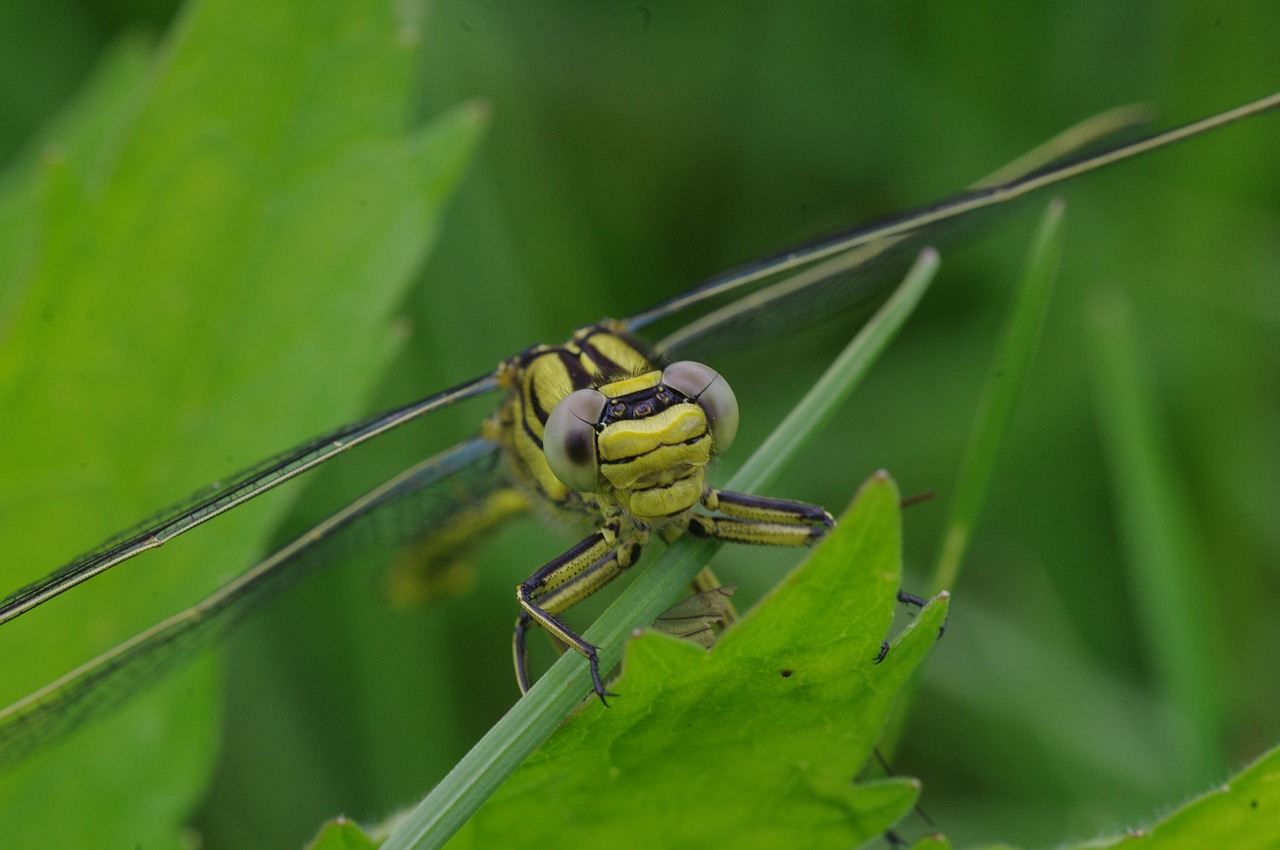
(840, 270)
(848, 269)
(223, 496)
(406, 507)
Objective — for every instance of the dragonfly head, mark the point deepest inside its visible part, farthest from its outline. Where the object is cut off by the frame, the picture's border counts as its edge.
(646, 440)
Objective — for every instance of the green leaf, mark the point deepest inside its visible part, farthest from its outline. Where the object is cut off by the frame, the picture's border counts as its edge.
(342, 834)
(213, 252)
(81, 133)
(1243, 814)
(752, 744)
(932, 842)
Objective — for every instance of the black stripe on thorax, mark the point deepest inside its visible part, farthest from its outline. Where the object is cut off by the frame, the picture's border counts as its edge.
(608, 369)
(579, 377)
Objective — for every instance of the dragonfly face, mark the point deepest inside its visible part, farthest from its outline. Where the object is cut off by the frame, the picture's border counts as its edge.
(597, 429)
(638, 442)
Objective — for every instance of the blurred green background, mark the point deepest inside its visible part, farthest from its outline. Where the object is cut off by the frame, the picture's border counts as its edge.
(635, 149)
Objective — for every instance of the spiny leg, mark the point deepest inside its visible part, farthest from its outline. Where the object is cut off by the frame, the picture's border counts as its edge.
(701, 616)
(439, 565)
(774, 522)
(565, 581)
(757, 520)
(705, 583)
(760, 520)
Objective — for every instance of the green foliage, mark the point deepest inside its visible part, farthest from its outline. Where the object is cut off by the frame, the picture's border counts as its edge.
(243, 238)
(1158, 526)
(1240, 814)
(342, 834)
(752, 744)
(633, 152)
(931, 842)
(999, 399)
(530, 722)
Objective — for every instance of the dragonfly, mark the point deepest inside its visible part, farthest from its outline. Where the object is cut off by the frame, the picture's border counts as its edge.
(604, 398)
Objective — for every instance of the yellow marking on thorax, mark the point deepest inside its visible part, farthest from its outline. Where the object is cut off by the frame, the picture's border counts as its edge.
(548, 382)
(627, 386)
(620, 352)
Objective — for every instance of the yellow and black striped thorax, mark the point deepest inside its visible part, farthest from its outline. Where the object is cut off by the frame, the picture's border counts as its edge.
(645, 450)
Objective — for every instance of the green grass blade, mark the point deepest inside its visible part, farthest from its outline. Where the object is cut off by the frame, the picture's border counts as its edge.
(561, 689)
(1166, 568)
(995, 411)
(1000, 397)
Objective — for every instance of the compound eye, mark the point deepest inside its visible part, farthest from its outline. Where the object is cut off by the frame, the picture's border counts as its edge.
(569, 440)
(712, 393)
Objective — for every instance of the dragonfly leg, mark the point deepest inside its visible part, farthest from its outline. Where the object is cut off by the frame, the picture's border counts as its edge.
(565, 581)
(701, 617)
(707, 582)
(911, 599)
(905, 598)
(772, 522)
(439, 564)
(760, 520)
